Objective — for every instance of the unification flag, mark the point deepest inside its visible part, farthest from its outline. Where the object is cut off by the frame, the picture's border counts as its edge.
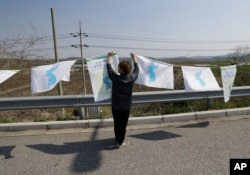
(6, 74)
(100, 82)
(155, 73)
(199, 79)
(228, 75)
(45, 78)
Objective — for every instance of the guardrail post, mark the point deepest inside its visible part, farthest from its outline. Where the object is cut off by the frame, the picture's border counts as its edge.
(209, 103)
(81, 113)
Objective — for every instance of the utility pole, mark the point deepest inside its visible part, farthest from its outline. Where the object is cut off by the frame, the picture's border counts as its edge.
(55, 50)
(55, 47)
(80, 34)
(83, 67)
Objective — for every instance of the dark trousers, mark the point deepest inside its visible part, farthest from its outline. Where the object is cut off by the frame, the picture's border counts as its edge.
(120, 124)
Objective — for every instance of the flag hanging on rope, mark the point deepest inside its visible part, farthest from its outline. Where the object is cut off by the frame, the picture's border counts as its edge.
(228, 75)
(100, 82)
(199, 79)
(45, 78)
(155, 73)
(6, 74)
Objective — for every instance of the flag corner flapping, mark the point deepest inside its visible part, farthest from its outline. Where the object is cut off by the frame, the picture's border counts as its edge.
(6, 74)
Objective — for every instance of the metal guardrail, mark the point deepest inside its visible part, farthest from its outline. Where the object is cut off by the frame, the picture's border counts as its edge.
(66, 101)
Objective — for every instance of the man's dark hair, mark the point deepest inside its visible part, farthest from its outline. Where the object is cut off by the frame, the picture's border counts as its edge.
(125, 66)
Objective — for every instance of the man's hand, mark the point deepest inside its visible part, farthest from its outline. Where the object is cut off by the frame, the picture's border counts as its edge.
(110, 54)
(133, 57)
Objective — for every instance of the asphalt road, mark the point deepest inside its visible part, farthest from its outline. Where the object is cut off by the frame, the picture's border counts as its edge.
(195, 147)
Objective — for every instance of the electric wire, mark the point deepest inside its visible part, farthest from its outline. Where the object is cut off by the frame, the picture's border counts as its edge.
(133, 38)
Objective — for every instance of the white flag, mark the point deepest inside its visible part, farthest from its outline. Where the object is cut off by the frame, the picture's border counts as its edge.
(155, 73)
(100, 82)
(66, 77)
(6, 74)
(199, 79)
(228, 75)
(45, 78)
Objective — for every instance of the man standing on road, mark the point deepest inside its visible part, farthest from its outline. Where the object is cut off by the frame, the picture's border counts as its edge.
(122, 86)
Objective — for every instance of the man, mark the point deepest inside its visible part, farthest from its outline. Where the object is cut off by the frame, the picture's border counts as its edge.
(122, 86)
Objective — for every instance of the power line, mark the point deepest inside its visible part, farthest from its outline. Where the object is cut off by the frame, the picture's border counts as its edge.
(43, 49)
(159, 49)
(44, 38)
(130, 48)
(132, 38)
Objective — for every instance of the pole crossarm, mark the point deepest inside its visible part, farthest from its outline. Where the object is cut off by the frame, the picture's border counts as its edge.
(87, 100)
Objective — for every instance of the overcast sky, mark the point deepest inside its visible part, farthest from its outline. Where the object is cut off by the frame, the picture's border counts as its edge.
(157, 28)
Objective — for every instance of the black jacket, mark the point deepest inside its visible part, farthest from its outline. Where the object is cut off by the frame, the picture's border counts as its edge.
(122, 86)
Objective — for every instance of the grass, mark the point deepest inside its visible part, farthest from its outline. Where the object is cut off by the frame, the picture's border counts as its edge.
(4, 120)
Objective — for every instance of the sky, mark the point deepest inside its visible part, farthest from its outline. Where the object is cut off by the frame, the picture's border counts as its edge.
(155, 28)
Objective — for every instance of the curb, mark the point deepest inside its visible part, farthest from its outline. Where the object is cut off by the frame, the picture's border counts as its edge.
(95, 123)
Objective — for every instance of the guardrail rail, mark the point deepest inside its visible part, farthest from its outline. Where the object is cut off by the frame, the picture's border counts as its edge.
(67, 101)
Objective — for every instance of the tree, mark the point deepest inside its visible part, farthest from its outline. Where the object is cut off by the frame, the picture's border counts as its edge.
(240, 55)
(19, 46)
(16, 49)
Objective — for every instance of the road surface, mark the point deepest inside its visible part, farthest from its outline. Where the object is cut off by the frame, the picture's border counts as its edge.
(194, 147)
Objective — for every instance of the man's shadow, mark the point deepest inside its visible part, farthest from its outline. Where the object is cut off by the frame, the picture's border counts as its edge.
(6, 151)
(88, 152)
